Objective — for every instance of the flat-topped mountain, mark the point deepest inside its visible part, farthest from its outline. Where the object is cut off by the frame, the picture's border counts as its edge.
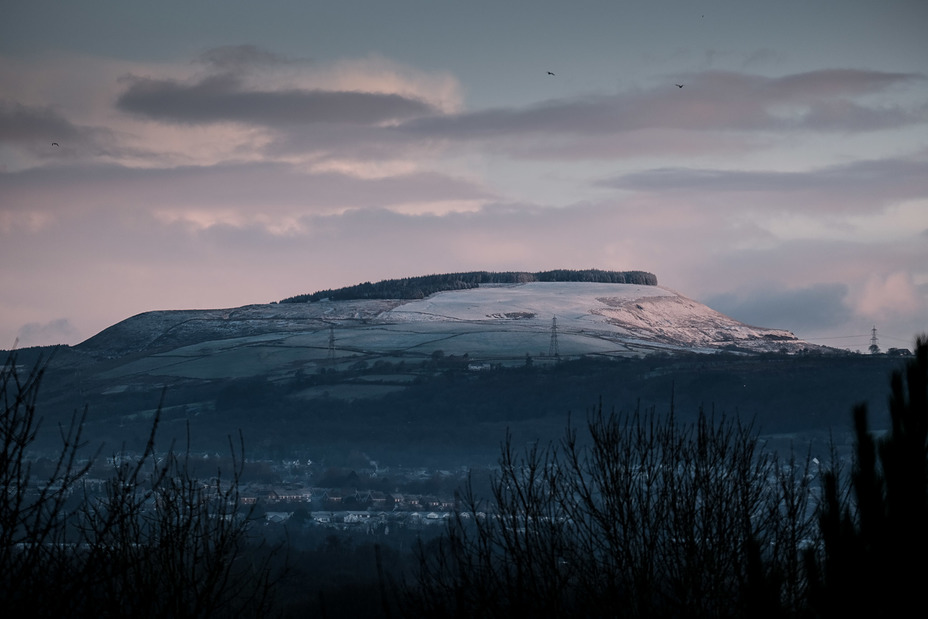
(492, 322)
(370, 368)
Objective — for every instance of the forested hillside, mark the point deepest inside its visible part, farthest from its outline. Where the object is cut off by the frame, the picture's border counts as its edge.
(425, 285)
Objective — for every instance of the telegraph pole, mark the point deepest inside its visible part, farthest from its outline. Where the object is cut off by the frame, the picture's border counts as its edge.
(331, 345)
(552, 347)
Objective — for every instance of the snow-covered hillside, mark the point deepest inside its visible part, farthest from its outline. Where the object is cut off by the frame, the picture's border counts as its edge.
(637, 317)
(493, 322)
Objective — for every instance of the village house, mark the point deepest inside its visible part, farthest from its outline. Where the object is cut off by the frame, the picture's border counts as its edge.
(277, 517)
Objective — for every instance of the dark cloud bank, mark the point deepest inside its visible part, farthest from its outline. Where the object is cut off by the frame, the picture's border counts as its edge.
(222, 98)
(819, 306)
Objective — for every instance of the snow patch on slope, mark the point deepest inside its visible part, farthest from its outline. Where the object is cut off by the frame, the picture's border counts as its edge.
(613, 311)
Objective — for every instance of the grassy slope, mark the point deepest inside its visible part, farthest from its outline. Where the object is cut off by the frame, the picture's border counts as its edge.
(442, 411)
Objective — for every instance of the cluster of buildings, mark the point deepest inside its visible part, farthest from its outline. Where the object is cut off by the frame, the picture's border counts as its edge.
(369, 511)
(343, 508)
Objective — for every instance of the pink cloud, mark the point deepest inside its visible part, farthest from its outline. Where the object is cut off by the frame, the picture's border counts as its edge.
(885, 295)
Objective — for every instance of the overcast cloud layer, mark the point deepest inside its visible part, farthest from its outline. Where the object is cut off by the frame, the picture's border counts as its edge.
(770, 162)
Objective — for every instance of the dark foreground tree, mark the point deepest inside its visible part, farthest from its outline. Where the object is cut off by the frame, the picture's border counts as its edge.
(875, 526)
(155, 541)
(649, 517)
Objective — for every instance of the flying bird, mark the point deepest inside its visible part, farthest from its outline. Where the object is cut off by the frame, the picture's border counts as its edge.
(54, 143)
(549, 73)
(679, 85)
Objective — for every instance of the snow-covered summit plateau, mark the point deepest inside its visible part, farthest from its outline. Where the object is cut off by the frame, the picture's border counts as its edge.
(493, 322)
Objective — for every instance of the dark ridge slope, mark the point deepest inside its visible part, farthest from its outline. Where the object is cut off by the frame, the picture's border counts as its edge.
(423, 286)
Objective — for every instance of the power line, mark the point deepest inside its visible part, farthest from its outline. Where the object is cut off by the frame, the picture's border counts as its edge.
(908, 340)
(859, 336)
(847, 337)
(835, 337)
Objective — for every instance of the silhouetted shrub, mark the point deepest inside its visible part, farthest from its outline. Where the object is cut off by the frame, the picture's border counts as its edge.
(152, 540)
(875, 523)
(648, 517)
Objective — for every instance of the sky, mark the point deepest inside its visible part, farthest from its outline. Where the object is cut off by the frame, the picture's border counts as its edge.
(213, 154)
